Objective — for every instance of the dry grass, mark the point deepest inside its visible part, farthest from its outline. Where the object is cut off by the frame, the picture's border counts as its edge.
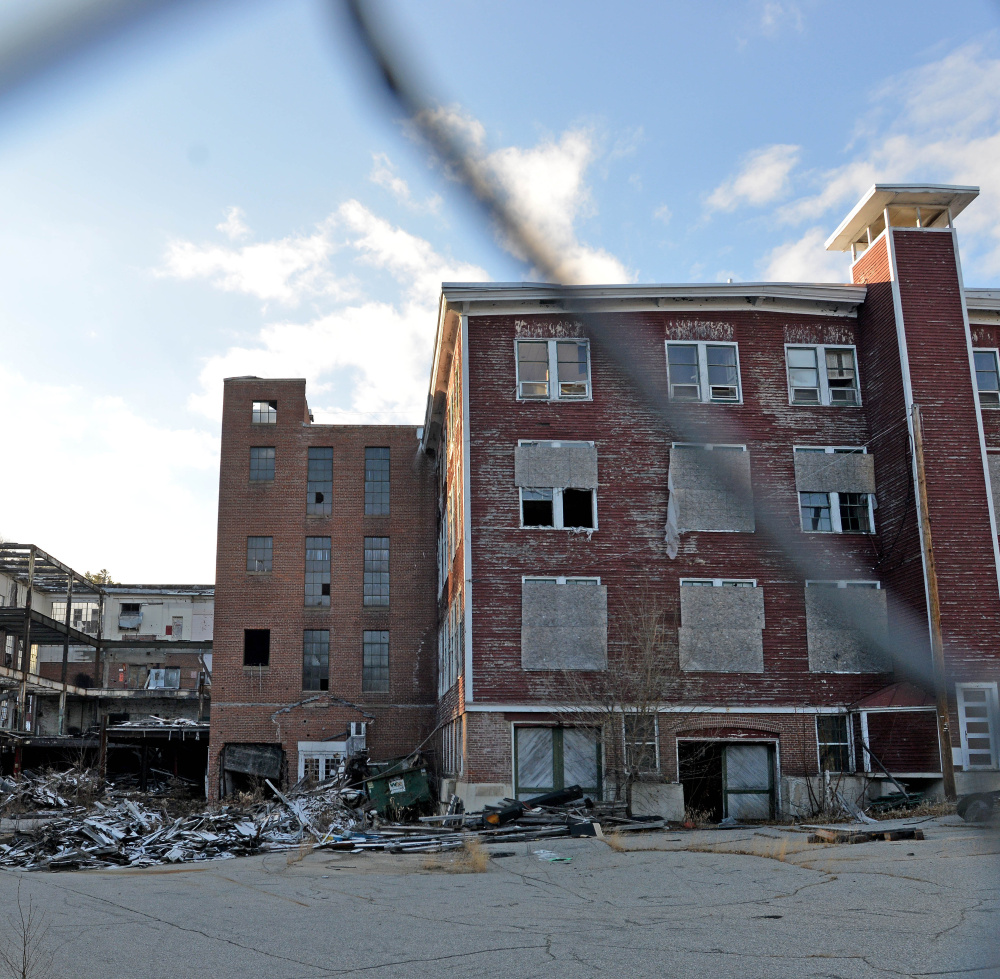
(614, 840)
(924, 809)
(699, 818)
(299, 854)
(472, 858)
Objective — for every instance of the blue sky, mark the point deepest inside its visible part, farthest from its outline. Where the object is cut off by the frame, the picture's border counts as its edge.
(222, 192)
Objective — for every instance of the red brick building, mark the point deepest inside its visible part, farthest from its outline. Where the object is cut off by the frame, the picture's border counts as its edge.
(729, 469)
(325, 623)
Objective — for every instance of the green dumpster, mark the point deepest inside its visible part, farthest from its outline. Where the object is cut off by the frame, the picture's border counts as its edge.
(397, 788)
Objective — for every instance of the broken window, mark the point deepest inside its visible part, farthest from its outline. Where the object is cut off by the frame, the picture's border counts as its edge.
(987, 378)
(836, 489)
(319, 483)
(262, 464)
(559, 508)
(722, 625)
(833, 739)
(568, 361)
(978, 720)
(376, 585)
(641, 752)
(265, 412)
(256, 647)
(260, 553)
(706, 372)
(316, 659)
(846, 627)
(822, 375)
(317, 571)
(377, 481)
(564, 624)
(375, 661)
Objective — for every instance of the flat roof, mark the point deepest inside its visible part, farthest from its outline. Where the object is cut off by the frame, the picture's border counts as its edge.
(867, 211)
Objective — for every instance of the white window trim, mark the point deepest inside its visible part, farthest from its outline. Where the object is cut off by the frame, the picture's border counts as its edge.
(835, 525)
(720, 582)
(656, 740)
(704, 388)
(850, 744)
(824, 383)
(993, 717)
(843, 582)
(557, 508)
(707, 446)
(561, 579)
(553, 351)
(833, 449)
(975, 382)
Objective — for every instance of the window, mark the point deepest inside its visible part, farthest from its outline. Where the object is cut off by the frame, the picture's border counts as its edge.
(375, 662)
(319, 482)
(262, 464)
(641, 753)
(977, 716)
(833, 739)
(835, 512)
(567, 361)
(376, 481)
(843, 584)
(822, 375)
(260, 552)
(316, 659)
(987, 378)
(376, 571)
(265, 412)
(719, 582)
(131, 608)
(256, 647)
(558, 508)
(705, 372)
(317, 571)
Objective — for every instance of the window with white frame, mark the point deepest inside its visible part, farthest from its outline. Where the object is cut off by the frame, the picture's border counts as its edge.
(641, 745)
(833, 739)
(822, 374)
(558, 508)
(987, 378)
(553, 370)
(721, 582)
(843, 584)
(703, 372)
(978, 721)
(836, 511)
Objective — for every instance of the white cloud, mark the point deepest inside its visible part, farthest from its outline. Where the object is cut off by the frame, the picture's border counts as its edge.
(384, 174)
(663, 213)
(805, 260)
(384, 347)
(939, 123)
(762, 179)
(234, 227)
(158, 486)
(546, 192)
(775, 15)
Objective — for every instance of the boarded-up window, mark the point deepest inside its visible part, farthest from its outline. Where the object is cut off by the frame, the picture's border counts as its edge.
(840, 471)
(709, 490)
(721, 629)
(572, 464)
(564, 626)
(846, 627)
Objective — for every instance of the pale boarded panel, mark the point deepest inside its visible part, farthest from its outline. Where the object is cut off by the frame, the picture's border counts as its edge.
(837, 472)
(721, 629)
(993, 460)
(711, 490)
(835, 644)
(564, 627)
(572, 465)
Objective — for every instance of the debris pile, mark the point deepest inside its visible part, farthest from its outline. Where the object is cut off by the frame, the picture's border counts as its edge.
(49, 791)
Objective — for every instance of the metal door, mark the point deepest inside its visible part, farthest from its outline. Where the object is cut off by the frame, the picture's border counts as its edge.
(748, 781)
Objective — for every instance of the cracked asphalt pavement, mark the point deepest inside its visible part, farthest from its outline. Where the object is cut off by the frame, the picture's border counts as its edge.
(758, 902)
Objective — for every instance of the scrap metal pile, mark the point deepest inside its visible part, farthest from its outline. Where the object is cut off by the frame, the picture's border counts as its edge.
(42, 828)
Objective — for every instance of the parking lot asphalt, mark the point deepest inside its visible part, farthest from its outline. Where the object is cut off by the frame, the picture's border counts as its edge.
(745, 902)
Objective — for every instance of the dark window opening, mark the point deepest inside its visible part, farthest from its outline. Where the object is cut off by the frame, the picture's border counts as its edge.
(256, 647)
(317, 571)
(319, 486)
(854, 513)
(316, 659)
(578, 508)
(260, 553)
(131, 608)
(834, 748)
(536, 508)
